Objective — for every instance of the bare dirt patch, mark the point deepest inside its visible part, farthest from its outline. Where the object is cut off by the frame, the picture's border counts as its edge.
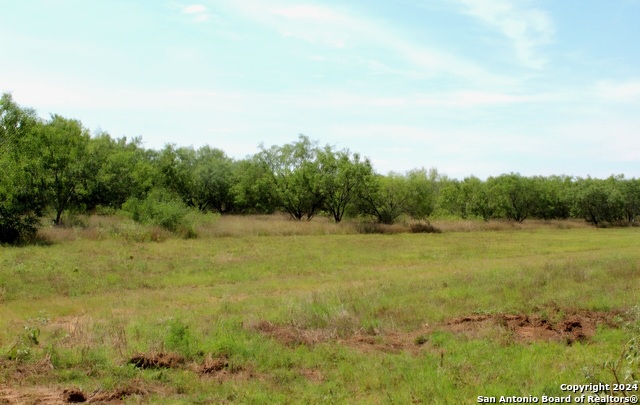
(36, 395)
(291, 336)
(572, 326)
(568, 326)
(157, 360)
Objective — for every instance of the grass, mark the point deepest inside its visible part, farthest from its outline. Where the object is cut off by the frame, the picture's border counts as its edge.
(309, 312)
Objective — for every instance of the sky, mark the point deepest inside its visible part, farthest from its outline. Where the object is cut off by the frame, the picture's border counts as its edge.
(470, 87)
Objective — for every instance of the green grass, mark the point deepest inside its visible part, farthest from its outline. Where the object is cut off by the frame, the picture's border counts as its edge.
(97, 300)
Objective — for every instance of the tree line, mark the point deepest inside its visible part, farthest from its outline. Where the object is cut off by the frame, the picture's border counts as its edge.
(56, 166)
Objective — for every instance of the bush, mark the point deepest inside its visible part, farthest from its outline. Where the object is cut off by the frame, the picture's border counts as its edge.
(424, 227)
(17, 228)
(162, 209)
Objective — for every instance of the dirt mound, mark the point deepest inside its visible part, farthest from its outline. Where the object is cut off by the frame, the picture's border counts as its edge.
(218, 366)
(290, 335)
(116, 395)
(157, 360)
(572, 326)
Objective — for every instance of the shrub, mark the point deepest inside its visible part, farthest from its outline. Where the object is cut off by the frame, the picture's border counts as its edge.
(424, 227)
(162, 209)
(16, 228)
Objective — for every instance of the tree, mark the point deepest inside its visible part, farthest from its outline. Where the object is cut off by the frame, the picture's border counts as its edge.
(631, 195)
(598, 201)
(254, 187)
(423, 190)
(119, 168)
(177, 172)
(479, 203)
(203, 178)
(551, 197)
(63, 144)
(215, 174)
(514, 195)
(296, 176)
(21, 191)
(343, 176)
(385, 197)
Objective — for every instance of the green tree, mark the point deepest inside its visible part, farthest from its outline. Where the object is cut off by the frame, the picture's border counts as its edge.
(513, 194)
(21, 188)
(423, 190)
(343, 176)
(451, 199)
(631, 195)
(551, 197)
(215, 176)
(63, 143)
(385, 197)
(296, 176)
(254, 187)
(119, 168)
(203, 178)
(479, 203)
(598, 201)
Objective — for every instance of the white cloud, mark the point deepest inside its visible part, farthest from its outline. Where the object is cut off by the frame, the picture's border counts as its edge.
(198, 12)
(624, 92)
(309, 12)
(526, 28)
(194, 9)
(341, 28)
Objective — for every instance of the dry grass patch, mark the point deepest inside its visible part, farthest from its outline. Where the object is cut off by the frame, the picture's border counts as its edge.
(467, 225)
(271, 225)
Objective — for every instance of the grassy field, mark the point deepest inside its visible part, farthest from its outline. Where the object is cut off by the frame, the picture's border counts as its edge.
(265, 310)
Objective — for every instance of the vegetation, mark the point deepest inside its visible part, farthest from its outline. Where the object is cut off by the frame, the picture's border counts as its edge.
(266, 309)
(115, 300)
(55, 167)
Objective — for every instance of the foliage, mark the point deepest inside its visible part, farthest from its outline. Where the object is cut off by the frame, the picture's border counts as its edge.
(21, 191)
(160, 208)
(120, 169)
(513, 195)
(56, 166)
(343, 177)
(384, 197)
(599, 201)
(63, 145)
(253, 190)
(296, 176)
(423, 190)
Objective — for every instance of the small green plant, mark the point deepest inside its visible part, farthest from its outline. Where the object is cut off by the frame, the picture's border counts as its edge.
(179, 338)
(22, 349)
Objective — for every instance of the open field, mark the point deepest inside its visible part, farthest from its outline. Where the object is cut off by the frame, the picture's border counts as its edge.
(264, 310)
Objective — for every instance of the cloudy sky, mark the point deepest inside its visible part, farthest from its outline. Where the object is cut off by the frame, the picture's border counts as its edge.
(479, 87)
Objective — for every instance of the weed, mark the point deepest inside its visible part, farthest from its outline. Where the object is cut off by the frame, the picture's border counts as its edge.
(420, 340)
(22, 348)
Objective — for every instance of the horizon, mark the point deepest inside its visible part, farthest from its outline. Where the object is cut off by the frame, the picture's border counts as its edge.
(469, 87)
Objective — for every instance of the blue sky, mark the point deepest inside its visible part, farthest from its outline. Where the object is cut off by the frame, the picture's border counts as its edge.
(478, 87)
